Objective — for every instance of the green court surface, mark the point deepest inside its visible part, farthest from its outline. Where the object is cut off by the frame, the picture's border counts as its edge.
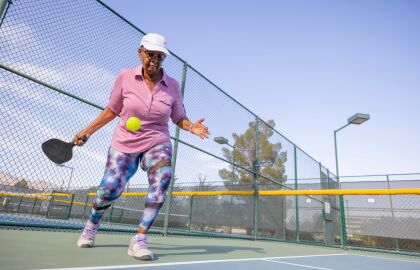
(41, 249)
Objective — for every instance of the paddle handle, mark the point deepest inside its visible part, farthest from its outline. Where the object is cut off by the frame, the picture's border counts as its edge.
(83, 138)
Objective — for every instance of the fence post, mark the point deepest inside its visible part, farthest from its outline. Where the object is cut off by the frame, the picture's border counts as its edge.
(110, 213)
(4, 6)
(296, 197)
(322, 185)
(255, 169)
(343, 220)
(85, 207)
(191, 201)
(392, 210)
(33, 207)
(174, 155)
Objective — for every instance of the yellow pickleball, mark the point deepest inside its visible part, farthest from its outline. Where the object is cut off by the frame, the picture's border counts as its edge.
(133, 123)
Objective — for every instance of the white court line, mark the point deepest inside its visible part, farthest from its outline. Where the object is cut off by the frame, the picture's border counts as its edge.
(186, 263)
(386, 258)
(302, 265)
(302, 256)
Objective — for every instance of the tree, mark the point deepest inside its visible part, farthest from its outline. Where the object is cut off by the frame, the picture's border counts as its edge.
(270, 159)
(21, 184)
(202, 186)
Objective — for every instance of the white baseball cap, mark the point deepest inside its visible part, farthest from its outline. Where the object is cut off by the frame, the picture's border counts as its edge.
(154, 42)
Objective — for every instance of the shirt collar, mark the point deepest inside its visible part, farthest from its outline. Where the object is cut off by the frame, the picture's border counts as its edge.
(138, 74)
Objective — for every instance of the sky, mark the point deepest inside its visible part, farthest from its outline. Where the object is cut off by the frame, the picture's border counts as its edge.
(308, 65)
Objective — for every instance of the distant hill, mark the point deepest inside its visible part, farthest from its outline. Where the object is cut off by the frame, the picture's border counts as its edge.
(7, 179)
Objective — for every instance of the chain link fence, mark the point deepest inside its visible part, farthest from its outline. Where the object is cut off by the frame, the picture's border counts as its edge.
(59, 60)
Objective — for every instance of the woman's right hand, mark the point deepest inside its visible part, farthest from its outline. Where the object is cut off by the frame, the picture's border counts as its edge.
(81, 137)
(104, 118)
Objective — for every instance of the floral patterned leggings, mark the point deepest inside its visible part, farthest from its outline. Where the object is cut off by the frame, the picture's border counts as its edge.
(120, 167)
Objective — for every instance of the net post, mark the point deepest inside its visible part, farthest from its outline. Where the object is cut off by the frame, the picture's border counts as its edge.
(175, 151)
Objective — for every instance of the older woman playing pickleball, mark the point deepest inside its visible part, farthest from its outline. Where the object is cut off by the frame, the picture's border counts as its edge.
(149, 94)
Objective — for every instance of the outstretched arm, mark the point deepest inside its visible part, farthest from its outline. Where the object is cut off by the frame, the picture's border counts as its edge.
(104, 118)
(196, 128)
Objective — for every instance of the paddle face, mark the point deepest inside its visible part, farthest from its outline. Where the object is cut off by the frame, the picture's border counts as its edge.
(57, 150)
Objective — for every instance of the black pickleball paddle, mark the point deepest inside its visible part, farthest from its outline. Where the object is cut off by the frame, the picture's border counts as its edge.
(59, 151)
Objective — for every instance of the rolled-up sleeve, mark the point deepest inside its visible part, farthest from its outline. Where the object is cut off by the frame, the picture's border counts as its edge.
(115, 102)
(178, 109)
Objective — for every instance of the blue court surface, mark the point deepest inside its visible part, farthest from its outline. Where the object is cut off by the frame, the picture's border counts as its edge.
(323, 262)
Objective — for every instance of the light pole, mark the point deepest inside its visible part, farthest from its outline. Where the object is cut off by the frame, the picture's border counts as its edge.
(223, 140)
(356, 119)
(71, 175)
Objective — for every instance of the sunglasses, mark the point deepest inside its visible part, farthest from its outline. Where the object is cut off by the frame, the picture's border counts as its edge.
(154, 56)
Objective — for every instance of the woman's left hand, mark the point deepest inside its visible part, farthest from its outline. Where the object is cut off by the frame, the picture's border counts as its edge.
(200, 130)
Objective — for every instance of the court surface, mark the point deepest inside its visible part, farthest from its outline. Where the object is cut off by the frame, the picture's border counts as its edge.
(57, 250)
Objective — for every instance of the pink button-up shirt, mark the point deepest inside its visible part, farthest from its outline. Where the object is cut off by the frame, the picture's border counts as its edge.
(132, 97)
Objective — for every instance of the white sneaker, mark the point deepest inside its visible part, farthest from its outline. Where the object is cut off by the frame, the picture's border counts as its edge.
(87, 239)
(139, 249)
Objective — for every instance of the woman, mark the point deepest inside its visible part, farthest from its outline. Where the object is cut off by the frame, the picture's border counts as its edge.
(148, 93)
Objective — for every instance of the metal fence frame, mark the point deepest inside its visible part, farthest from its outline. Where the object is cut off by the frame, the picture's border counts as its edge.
(257, 176)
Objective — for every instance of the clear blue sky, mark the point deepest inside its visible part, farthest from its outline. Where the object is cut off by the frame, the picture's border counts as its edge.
(309, 65)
